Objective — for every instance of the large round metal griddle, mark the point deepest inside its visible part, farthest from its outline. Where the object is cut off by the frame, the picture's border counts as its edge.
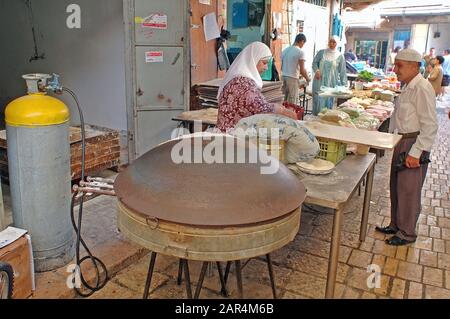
(207, 211)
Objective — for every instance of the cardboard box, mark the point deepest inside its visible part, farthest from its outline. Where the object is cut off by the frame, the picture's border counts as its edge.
(18, 255)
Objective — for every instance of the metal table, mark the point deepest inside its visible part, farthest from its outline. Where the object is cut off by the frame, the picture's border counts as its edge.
(334, 191)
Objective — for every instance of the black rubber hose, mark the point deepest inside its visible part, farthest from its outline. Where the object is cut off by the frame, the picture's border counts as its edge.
(100, 283)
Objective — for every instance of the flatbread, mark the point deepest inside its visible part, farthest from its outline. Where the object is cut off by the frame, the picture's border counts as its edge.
(316, 166)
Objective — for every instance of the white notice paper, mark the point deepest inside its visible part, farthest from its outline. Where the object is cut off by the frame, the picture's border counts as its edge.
(277, 20)
(210, 26)
(10, 235)
(207, 2)
(154, 57)
(156, 21)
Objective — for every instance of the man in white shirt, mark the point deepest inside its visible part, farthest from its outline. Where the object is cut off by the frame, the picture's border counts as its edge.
(415, 119)
(446, 71)
(292, 65)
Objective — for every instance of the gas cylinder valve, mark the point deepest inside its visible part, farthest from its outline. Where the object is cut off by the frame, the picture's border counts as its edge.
(40, 83)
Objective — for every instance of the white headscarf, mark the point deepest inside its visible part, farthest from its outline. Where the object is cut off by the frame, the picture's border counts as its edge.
(330, 54)
(245, 64)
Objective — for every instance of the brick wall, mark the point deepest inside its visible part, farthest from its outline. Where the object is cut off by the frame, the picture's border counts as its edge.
(102, 151)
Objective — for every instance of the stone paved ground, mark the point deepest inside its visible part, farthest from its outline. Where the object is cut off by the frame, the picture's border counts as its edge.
(420, 270)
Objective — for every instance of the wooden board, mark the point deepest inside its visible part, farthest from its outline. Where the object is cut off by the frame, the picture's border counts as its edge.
(17, 254)
(374, 139)
(207, 116)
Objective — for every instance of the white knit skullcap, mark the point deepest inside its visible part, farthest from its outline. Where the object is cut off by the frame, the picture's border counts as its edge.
(409, 55)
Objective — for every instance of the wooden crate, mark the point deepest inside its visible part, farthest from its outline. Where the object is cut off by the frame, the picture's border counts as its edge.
(18, 255)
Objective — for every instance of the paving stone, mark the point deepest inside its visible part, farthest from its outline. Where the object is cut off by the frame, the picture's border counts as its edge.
(423, 230)
(432, 292)
(134, 277)
(428, 258)
(413, 255)
(313, 246)
(351, 293)
(359, 278)
(115, 291)
(445, 233)
(360, 259)
(291, 295)
(435, 232)
(380, 247)
(314, 265)
(444, 261)
(415, 290)
(438, 245)
(444, 222)
(409, 271)
(402, 252)
(447, 279)
(390, 267)
(431, 221)
(398, 288)
(433, 276)
(368, 295)
(379, 260)
(423, 243)
(310, 286)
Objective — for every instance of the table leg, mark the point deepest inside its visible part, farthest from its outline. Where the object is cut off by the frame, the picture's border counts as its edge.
(334, 253)
(366, 205)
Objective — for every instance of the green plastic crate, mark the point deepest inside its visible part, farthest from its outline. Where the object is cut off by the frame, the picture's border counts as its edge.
(332, 151)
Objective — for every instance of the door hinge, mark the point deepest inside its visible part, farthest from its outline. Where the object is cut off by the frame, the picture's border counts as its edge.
(130, 136)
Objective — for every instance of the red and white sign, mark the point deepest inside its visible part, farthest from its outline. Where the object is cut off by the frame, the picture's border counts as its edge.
(154, 57)
(155, 21)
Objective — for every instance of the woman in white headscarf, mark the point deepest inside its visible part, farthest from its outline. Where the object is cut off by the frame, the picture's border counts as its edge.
(240, 92)
(330, 70)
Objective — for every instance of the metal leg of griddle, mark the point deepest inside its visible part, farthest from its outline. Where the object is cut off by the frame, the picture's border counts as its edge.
(334, 253)
(180, 273)
(237, 264)
(187, 278)
(227, 271)
(366, 205)
(149, 275)
(223, 290)
(271, 276)
(201, 279)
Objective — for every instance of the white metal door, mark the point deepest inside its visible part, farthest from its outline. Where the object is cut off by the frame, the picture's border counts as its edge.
(159, 71)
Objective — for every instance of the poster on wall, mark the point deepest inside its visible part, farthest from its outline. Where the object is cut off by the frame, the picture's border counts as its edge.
(155, 21)
(211, 28)
(154, 57)
(207, 2)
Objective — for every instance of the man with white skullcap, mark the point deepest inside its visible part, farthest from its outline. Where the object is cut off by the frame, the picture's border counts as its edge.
(415, 119)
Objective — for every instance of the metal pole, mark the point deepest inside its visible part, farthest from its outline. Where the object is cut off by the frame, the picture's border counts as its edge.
(334, 253)
(366, 205)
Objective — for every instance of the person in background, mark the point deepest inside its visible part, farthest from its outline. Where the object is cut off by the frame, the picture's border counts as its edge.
(427, 58)
(292, 66)
(446, 73)
(392, 58)
(415, 119)
(240, 95)
(436, 74)
(330, 70)
(350, 56)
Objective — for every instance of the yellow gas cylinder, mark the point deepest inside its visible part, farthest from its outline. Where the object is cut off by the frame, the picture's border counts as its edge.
(37, 128)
